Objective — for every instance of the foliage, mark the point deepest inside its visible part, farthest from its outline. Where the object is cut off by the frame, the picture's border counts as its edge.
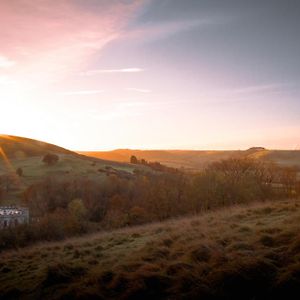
(152, 196)
(50, 159)
(133, 160)
(77, 209)
(19, 172)
(156, 166)
(247, 252)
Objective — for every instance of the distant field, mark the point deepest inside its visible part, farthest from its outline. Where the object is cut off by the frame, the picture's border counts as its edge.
(249, 252)
(196, 160)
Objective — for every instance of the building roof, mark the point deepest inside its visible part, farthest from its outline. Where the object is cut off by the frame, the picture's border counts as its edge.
(10, 211)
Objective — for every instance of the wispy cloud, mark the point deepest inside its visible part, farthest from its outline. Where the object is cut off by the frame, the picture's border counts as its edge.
(259, 88)
(138, 90)
(100, 71)
(85, 92)
(50, 41)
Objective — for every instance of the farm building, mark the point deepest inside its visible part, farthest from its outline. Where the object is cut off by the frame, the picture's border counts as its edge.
(13, 216)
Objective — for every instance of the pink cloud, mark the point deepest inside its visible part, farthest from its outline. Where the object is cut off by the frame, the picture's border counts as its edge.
(43, 41)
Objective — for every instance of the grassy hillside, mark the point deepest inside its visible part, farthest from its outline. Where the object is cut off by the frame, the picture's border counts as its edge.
(250, 252)
(20, 147)
(195, 160)
(27, 154)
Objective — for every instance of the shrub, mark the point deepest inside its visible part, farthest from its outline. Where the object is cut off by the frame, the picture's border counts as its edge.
(50, 159)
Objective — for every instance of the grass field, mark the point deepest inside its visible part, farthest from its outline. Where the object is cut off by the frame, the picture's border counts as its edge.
(27, 154)
(247, 252)
(68, 167)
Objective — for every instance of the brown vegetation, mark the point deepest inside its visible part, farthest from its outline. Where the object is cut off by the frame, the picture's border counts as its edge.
(195, 160)
(50, 159)
(20, 147)
(62, 208)
(248, 252)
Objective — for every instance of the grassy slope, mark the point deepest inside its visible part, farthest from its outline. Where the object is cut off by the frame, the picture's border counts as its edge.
(198, 159)
(20, 147)
(28, 154)
(240, 253)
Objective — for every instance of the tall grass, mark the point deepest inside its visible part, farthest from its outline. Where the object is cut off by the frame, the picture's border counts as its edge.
(241, 252)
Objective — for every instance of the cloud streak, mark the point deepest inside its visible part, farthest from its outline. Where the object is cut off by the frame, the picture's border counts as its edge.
(259, 88)
(109, 71)
(50, 41)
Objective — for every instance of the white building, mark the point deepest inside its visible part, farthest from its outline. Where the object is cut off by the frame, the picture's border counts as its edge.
(13, 216)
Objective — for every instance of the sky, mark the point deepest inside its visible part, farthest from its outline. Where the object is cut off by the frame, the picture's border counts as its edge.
(152, 74)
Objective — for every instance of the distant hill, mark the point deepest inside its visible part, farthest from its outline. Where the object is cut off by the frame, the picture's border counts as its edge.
(197, 159)
(188, 159)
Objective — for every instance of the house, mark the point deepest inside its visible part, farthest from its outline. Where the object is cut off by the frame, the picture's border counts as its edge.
(13, 216)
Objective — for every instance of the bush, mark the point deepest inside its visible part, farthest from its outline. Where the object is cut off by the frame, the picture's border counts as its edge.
(236, 181)
(50, 159)
(19, 172)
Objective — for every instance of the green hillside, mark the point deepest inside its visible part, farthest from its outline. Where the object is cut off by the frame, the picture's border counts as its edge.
(247, 252)
(27, 154)
(20, 147)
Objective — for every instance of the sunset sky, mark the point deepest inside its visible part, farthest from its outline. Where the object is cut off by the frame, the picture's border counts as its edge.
(156, 74)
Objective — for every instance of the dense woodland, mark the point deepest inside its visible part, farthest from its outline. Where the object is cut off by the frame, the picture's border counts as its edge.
(63, 208)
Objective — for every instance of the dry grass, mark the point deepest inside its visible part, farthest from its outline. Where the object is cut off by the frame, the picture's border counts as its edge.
(195, 160)
(250, 252)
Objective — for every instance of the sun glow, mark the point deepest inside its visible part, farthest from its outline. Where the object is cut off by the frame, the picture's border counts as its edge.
(16, 113)
(94, 75)
(10, 168)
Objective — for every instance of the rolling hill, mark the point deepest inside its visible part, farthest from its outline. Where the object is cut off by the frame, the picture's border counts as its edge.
(20, 147)
(27, 154)
(195, 160)
(245, 252)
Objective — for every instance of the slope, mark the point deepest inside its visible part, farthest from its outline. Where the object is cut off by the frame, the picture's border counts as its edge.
(249, 252)
(27, 155)
(20, 147)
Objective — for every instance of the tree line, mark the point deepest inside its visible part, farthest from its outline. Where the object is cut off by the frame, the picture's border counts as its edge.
(156, 166)
(64, 208)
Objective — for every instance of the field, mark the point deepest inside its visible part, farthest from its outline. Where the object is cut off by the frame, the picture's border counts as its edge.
(68, 167)
(243, 252)
(28, 155)
(197, 160)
